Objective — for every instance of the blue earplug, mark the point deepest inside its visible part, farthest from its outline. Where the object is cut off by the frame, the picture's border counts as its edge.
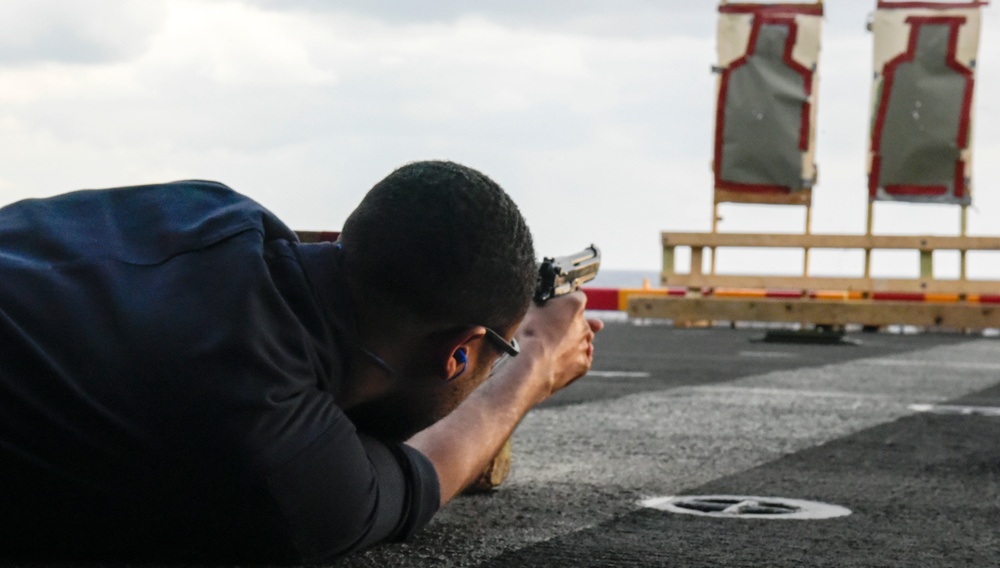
(462, 358)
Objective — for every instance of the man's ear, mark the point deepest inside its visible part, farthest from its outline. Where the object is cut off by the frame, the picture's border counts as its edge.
(458, 353)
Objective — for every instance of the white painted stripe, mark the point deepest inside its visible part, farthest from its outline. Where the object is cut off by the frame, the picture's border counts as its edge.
(618, 374)
(938, 363)
(955, 409)
(724, 389)
(768, 354)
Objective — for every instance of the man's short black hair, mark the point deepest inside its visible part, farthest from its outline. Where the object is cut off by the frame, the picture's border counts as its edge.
(444, 242)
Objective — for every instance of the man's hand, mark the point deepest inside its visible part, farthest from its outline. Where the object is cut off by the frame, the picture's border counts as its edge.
(560, 339)
(556, 349)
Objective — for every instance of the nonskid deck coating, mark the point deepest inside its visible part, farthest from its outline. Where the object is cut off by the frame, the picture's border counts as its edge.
(707, 416)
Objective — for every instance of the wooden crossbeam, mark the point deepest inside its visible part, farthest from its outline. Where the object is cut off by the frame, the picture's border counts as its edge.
(803, 197)
(831, 283)
(957, 315)
(830, 241)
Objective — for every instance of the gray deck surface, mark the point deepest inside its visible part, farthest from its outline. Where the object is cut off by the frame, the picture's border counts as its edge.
(711, 411)
(721, 414)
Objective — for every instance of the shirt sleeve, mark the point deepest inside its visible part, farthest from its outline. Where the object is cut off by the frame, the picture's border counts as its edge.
(409, 492)
(345, 492)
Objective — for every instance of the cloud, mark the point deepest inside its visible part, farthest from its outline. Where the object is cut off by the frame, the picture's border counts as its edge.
(594, 111)
(95, 31)
(634, 18)
(232, 44)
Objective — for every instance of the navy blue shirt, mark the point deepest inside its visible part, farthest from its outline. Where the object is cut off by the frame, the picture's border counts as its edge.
(170, 357)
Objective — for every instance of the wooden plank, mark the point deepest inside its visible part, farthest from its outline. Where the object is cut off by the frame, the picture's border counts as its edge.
(863, 312)
(914, 242)
(803, 197)
(832, 283)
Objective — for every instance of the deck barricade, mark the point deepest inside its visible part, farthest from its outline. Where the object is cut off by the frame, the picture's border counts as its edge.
(923, 301)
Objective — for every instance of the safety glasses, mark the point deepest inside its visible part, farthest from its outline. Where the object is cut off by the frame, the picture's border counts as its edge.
(501, 344)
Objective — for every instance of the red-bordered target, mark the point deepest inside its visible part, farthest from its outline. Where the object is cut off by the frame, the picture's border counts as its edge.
(775, 157)
(922, 111)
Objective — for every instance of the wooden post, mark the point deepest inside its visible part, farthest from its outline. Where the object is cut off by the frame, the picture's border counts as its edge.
(805, 250)
(715, 229)
(926, 264)
(961, 253)
(668, 260)
(963, 230)
(696, 256)
(868, 231)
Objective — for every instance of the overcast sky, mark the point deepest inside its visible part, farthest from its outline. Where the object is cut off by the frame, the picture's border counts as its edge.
(596, 116)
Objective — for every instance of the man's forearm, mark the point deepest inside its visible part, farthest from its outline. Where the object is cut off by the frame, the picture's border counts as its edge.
(556, 349)
(463, 443)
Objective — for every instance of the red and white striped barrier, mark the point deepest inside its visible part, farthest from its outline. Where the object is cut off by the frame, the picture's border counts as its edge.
(616, 299)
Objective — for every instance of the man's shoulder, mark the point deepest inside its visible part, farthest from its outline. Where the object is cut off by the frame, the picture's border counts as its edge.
(141, 224)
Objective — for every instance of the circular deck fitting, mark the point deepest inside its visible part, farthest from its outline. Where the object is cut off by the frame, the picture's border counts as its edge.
(993, 411)
(746, 507)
